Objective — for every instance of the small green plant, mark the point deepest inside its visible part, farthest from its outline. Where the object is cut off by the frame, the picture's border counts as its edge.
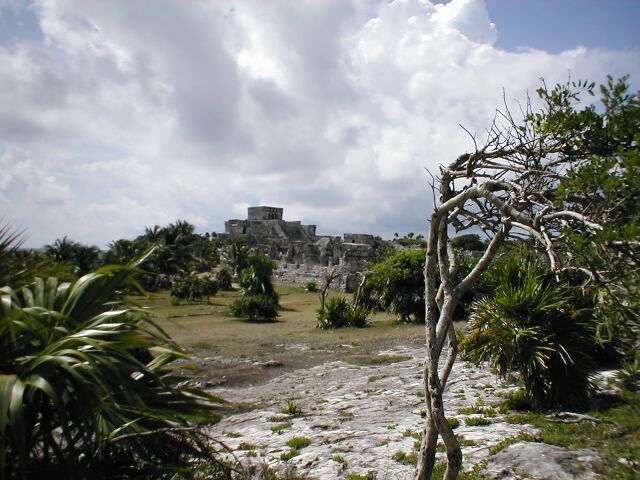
(289, 455)
(296, 443)
(338, 312)
(405, 458)
(453, 422)
(370, 475)
(339, 458)
(477, 421)
(292, 409)
(311, 286)
(278, 418)
(247, 446)
(281, 427)
(629, 374)
(478, 409)
(515, 400)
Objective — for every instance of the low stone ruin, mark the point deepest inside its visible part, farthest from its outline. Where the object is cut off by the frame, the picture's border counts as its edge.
(301, 255)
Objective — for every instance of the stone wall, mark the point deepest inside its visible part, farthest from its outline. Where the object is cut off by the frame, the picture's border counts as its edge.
(300, 274)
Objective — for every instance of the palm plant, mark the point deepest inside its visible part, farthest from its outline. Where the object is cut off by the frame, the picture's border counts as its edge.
(12, 269)
(534, 325)
(83, 257)
(89, 387)
(236, 256)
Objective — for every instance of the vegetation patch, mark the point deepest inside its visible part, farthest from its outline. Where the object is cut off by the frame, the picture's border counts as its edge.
(289, 455)
(281, 427)
(370, 475)
(453, 422)
(247, 446)
(478, 410)
(476, 421)
(405, 458)
(365, 360)
(297, 443)
(292, 409)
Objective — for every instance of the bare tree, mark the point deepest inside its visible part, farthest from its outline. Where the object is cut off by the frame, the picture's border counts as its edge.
(506, 188)
(331, 274)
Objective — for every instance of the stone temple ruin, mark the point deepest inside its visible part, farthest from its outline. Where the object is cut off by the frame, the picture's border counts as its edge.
(302, 255)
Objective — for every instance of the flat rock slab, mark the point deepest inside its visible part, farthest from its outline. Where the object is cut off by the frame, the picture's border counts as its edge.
(540, 461)
(359, 418)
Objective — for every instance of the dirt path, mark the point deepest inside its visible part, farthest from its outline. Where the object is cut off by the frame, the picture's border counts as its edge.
(358, 418)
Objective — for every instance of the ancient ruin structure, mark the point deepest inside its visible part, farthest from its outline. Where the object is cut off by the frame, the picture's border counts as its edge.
(301, 254)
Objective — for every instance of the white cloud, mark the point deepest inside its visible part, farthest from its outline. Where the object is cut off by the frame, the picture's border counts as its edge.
(121, 115)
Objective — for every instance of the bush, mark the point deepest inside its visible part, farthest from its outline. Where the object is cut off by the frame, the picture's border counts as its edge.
(224, 279)
(338, 313)
(533, 324)
(90, 388)
(261, 308)
(397, 285)
(311, 286)
(193, 288)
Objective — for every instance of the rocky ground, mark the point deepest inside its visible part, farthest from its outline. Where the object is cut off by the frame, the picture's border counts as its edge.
(360, 419)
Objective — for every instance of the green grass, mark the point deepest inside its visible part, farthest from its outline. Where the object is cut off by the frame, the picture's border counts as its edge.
(279, 418)
(297, 443)
(366, 359)
(292, 409)
(247, 446)
(612, 441)
(370, 475)
(476, 422)
(289, 455)
(339, 458)
(406, 458)
(478, 410)
(210, 329)
(453, 422)
(281, 427)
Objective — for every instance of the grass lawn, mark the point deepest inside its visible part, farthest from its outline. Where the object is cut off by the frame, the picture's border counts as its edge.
(209, 330)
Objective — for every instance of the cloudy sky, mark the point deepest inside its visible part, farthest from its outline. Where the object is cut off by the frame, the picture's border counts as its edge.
(115, 115)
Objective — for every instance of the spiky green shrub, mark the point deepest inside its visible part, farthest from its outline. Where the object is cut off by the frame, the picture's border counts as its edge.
(534, 325)
(89, 387)
(257, 308)
(339, 312)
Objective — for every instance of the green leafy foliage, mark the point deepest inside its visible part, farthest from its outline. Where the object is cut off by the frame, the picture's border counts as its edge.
(532, 324)
(236, 256)
(470, 242)
(256, 278)
(194, 288)
(257, 308)
(224, 278)
(179, 251)
(338, 312)
(89, 388)
(397, 285)
(311, 286)
(83, 258)
(603, 184)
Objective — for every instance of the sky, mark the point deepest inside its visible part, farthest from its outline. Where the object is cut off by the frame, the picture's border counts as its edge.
(116, 115)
